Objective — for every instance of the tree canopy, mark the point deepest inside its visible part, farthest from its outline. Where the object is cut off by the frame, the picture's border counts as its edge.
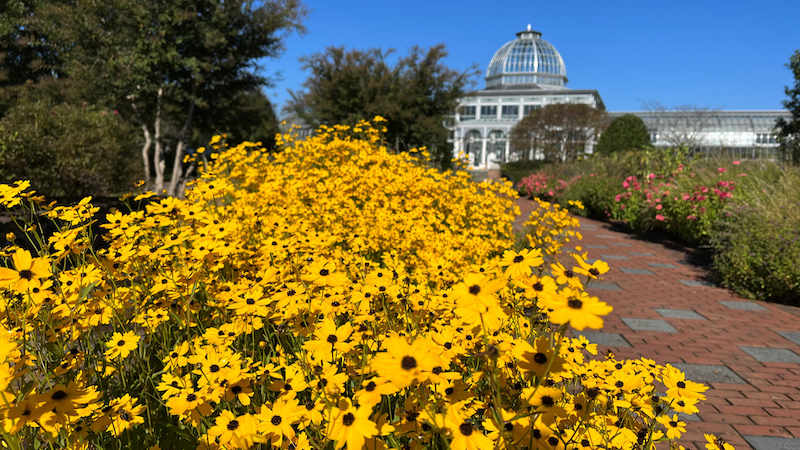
(559, 132)
(166, 67)
(789, 130)
(416, 95)
(627, 132)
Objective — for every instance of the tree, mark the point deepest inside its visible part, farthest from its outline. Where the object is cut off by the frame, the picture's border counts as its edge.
(67, 150)
(789, 131)
(24, 53)
(416, 95)
(163, 64)
(559, 131)
(683, 126)
(627, 132)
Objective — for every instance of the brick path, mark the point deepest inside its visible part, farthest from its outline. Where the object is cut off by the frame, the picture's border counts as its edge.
(747, 352)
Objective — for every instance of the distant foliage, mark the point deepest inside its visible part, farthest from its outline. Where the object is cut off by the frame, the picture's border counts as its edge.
(624, 133)
(789, 131)
(68, 150)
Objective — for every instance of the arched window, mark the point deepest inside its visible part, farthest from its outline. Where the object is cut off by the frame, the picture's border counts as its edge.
(496, 147)
(474, 147)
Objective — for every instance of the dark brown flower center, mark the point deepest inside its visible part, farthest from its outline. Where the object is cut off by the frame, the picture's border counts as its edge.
(574, 303)
(540, 358)
(519, 259)
(465, 428)
(474, 289)
(233, 424)
(408, 363)
(26, 274)
(348, 419)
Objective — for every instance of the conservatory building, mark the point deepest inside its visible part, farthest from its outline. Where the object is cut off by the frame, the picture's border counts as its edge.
(528, 73)
(523, 75)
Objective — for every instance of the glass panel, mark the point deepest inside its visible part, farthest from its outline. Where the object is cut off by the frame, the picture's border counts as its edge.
(488, 112)
(510, 111)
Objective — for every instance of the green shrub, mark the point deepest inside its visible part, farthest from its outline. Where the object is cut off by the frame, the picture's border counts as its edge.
(595, 191)
(624, 133)
(757, 242)
(68, 150)
(517, 170)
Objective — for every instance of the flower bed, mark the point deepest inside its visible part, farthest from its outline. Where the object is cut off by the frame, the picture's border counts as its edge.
(326, 296)
(748, 211)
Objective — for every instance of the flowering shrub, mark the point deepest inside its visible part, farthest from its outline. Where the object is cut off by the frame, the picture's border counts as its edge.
(294, 301)
(667, 202)
(541, 185)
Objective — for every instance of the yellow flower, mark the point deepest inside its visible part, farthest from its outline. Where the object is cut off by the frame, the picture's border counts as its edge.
(121, 345)
(577, 308)
(351, 426)
(673, 426)
(520, 264)
(26, 270)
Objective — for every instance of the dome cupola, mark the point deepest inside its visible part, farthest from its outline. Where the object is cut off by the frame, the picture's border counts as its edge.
(528, 59)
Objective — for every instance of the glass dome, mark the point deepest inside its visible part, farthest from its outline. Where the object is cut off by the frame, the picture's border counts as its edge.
(528, 59)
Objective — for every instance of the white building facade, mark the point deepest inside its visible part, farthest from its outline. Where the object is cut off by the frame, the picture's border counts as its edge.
(528, 73)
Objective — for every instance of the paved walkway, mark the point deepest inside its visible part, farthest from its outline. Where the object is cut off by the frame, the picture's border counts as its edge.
(747, 352)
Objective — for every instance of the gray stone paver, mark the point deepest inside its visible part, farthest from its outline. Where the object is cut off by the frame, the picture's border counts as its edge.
(648, 325)
(679, 314)
(696, 283)
(793, 336)
(744, 306)
(620, 244)
(662, 265)
(709, 373)
(636, 271)
(765, 354)
(605, 236)
(689, 417)
(641, 254)
(607, 339)
(773, 443)
(604, 286)
(616, 257)
(596, 246)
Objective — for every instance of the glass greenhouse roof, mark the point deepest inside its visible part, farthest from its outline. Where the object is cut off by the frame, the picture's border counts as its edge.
(526, 60)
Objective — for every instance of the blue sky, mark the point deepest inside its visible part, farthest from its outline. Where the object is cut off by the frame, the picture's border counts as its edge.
(727, 55)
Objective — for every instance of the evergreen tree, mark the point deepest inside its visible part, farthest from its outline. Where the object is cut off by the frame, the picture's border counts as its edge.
(789, 131)
(624, 133)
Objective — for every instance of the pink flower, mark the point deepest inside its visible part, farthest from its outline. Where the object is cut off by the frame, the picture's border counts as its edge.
(625, 184)
(617, 198)
(687, 197)
(116, 112)
(721, 170)
(652, 176)
(622, 207)
(691, 217)
(658, 207)
(736, 163)
(660, 217)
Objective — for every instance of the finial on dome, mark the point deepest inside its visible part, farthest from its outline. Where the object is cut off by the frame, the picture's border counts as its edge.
(529, 27)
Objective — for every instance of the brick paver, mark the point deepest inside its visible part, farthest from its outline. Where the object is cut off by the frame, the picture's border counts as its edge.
(767, 402)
